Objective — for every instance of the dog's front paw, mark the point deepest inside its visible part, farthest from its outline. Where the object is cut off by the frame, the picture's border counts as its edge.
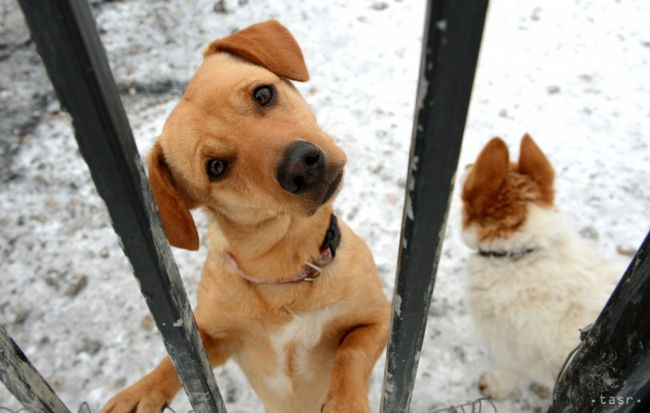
(346, 405)
(140, 398)
(497, 384)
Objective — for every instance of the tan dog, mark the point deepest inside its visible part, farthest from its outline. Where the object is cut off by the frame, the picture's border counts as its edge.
(243, 144)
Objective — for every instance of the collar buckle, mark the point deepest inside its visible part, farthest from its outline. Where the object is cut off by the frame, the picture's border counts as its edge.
(312, 271)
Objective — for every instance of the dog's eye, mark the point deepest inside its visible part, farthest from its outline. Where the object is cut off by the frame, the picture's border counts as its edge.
(217, 168)
(264, 95)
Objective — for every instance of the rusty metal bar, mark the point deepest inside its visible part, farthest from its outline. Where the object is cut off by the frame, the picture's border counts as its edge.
(610, 372)
(24, 381)
(451, 42)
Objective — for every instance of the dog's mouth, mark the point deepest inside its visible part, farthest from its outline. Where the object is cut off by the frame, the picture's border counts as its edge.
(333, 187)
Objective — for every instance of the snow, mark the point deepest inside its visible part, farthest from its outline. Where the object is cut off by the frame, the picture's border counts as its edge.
(571, 73)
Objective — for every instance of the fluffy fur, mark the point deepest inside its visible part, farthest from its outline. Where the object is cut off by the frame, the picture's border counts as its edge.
(529, 304)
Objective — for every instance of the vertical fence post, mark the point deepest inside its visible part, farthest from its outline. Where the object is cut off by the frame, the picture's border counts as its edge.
(452, 37)
(67, 40)
(23, 381)
(611, 369)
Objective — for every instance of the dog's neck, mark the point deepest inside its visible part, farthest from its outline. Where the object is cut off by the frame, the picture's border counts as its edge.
(513, 255)
(545, 229)
(272, 249)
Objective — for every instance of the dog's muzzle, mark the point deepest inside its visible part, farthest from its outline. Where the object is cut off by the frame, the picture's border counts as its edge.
(304, 171)
(302, 168)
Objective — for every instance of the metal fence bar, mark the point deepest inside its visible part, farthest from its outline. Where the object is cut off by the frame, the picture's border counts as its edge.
(66, 38)
(24, 381)
(451, 42)
(611, 369)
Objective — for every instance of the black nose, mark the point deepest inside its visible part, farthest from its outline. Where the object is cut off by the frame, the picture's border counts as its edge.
(302, 167)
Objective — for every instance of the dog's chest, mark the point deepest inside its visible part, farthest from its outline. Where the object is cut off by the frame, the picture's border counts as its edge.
(293, 344)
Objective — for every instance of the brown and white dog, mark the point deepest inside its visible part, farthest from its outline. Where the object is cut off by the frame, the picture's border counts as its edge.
(289, 292)
(533, 282)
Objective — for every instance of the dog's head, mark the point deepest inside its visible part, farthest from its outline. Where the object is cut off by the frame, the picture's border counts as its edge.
(242, 141)
(496, 193)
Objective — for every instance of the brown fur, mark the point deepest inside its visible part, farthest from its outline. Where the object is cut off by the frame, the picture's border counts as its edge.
(270, 232)
(268, 44)
(174, 211)
(534, 164)
(496, 192)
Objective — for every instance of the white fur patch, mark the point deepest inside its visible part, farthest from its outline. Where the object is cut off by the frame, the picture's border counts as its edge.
(530, 309)
(280, 383)
(304, 331)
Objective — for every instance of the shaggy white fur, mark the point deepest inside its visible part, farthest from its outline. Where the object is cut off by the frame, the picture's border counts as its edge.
(529, 308)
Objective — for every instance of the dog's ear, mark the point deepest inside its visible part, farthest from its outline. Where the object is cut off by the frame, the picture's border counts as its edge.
(268, 44)
(533, 163)
(174, 212)
(487, 175)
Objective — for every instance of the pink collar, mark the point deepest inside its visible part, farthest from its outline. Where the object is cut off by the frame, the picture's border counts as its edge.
(309, 271)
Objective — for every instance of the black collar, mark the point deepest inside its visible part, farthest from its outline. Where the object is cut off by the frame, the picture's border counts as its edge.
(332, 237)
(513, 255)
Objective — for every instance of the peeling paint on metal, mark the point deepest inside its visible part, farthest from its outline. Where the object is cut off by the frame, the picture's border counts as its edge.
(409, 208)
(397, 305)
(423, 86)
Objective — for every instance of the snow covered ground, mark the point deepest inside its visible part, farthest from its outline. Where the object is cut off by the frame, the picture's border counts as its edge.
(572, 73)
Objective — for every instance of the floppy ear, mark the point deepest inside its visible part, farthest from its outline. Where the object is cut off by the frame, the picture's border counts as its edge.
(268, 44)
(174, 212)
(487, 175)
(533, 163)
